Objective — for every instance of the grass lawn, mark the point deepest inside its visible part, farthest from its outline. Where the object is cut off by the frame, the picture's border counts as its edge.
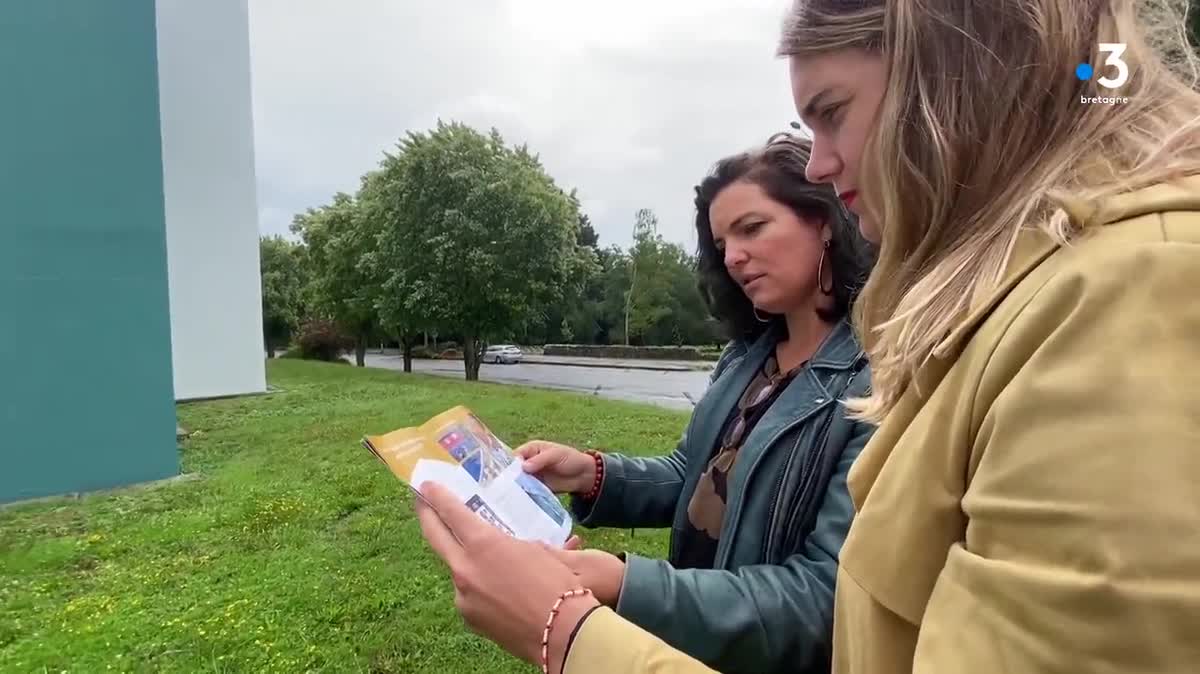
(294, 550)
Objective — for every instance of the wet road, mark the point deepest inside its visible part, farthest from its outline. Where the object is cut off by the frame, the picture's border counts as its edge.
(668, 389)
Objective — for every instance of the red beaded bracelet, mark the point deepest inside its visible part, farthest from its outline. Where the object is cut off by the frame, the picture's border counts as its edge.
(599, 480)
(578, 592)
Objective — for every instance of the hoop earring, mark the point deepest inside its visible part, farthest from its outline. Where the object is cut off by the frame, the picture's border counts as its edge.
(760, 318)
(821, 272)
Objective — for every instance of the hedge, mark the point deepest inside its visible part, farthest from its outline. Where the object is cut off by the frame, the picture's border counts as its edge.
(631, 352)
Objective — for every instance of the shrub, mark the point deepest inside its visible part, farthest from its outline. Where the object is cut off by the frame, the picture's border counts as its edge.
(320, 339)
(621, 351)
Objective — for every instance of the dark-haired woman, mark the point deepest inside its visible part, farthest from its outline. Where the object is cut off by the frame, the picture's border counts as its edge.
(755, 493)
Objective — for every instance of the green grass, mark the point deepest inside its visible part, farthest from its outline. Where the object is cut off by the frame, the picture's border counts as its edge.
(293, 550)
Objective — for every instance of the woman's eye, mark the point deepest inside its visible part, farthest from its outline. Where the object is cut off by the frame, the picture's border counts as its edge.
(830, 112)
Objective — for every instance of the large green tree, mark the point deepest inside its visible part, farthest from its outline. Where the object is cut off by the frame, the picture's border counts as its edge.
(281, 265)
(689, 321)
(592, 320)
(648, 299)
(615, 282)
(665, 306)
(400, 320)
(568, 320)
(587, 236)
(681, 317)
(479, 240)
(341, 288)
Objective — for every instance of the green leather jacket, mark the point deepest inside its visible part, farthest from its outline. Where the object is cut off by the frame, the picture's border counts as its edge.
(767, 606)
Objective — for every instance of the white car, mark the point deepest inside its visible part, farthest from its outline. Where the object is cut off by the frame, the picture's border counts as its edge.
(502, 353)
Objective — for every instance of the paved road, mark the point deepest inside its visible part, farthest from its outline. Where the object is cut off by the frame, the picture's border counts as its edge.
(627, 363)
(668, 389)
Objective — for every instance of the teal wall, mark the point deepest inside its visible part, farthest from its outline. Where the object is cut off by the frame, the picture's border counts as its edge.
(86, 399)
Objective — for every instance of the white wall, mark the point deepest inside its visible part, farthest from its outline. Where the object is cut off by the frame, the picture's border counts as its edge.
(211, 205)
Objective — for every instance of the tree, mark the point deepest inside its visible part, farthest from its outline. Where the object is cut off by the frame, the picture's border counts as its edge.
(478, 238)
(649, 297)
(338, 238)
(588, 238)
(692, 322)
(560, 317)
(616, 281)
(378, 207)
(588, 317)
(683, 317)
(280, 268)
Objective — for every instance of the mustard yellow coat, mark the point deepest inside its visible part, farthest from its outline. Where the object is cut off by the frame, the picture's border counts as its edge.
(1037, 511)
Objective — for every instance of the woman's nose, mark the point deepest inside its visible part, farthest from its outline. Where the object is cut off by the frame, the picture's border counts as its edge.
(735, 256)
(823, 164)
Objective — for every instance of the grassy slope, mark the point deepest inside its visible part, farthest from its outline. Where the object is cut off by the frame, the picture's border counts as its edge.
(295, 549)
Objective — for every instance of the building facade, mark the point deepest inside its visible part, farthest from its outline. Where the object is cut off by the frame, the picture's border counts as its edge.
(128, 238)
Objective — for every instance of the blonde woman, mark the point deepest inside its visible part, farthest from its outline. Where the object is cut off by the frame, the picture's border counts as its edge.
(1030, 501)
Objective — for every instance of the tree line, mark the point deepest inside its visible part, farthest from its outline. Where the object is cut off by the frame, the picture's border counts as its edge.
(459, 236)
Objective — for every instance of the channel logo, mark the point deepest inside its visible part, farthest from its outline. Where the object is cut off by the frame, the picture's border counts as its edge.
(1114, 64)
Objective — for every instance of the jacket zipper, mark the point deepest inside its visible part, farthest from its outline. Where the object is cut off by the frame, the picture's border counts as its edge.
(776, 496)
(727, 526)
(812, 460)
(810, 467)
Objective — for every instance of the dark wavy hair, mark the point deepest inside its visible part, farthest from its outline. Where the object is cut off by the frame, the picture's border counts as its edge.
(778, 167)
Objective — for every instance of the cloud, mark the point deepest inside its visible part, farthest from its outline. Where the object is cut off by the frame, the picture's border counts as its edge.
(628, 102)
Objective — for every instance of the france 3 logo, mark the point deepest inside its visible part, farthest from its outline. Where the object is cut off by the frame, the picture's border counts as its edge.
(1113, 63)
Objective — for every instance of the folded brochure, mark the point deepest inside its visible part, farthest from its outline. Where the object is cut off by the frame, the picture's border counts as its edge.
(457, 450)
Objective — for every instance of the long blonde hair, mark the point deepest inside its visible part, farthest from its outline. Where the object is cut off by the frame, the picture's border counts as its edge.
(982, 132)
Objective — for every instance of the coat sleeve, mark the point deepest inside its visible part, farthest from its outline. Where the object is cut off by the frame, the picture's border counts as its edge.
(761, 618)
(637, 492)
(607, 643)
(641, 491)
(1083, 501)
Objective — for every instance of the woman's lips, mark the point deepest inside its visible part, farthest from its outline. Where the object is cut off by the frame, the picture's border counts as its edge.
(848, 197)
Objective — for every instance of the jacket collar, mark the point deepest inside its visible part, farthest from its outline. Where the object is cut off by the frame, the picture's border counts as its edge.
(809, 390)
(1033, 246)
(839, 351)
(1182, 194)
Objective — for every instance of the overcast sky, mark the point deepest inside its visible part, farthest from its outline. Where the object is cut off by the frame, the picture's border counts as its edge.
(628, 101)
